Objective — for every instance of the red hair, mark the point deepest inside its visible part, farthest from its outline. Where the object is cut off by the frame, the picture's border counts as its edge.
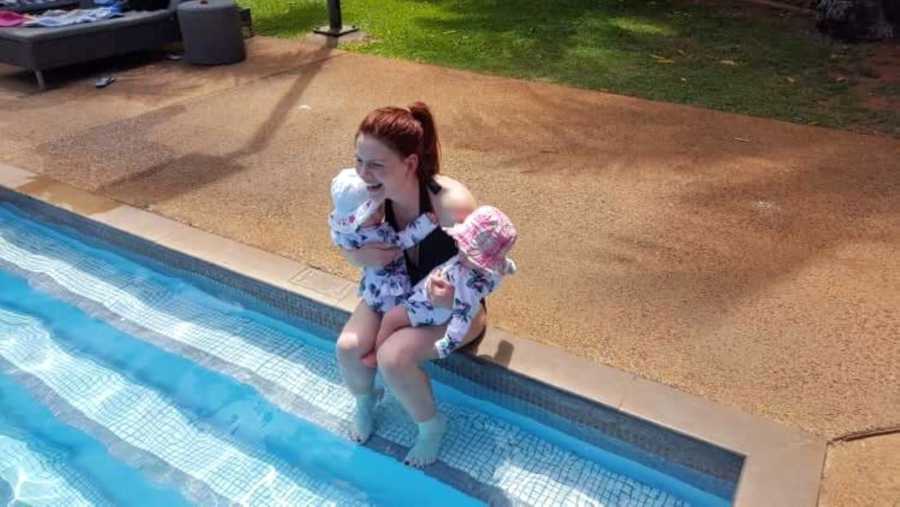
(406, 132)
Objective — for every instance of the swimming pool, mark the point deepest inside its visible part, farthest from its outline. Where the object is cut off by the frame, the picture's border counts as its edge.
(125, 381)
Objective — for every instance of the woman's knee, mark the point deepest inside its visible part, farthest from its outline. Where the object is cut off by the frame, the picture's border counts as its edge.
(396, 355)
(358, 335)
(348, 346)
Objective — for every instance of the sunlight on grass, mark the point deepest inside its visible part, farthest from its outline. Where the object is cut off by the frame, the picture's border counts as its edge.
(289, 18)
(641, 26)
(664, 50)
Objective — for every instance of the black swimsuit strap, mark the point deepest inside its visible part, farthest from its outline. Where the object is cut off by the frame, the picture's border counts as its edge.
(436, 248)
(424, 201)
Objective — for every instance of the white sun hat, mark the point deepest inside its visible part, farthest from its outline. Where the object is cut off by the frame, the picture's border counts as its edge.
(352, 205)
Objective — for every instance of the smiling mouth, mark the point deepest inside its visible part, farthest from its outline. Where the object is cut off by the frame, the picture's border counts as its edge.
(375, 187)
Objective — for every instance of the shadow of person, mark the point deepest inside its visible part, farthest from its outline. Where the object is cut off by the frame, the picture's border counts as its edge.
(503, 354)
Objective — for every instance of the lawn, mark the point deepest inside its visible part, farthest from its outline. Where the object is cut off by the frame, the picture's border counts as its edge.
(721, 55)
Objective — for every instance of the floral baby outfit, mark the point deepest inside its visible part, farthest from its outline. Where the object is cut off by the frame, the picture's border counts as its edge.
(483, 239)
(383, 287)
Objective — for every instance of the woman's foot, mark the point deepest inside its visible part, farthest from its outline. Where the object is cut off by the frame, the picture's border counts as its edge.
(428, 442)
(364, 415)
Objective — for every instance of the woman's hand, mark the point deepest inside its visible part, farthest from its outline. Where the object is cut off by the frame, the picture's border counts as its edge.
(374, 254)
(440, 291)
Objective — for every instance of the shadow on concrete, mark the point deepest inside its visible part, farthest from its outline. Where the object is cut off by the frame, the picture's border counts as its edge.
(196, 170)
(110, 148)
(23, 83)
(731, 230)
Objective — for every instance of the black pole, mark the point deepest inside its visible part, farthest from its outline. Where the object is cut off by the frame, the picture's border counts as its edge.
(334, 15)
(335, 26)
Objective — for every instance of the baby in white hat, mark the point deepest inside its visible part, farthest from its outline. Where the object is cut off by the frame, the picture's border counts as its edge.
(357, 221)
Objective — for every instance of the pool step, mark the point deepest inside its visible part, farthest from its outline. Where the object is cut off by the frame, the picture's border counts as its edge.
(200, 422)
(142, 418)
(45, 462)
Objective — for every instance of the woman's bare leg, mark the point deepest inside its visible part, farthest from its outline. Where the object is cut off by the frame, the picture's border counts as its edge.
(356, 340)
(396, 318)
(400, 359)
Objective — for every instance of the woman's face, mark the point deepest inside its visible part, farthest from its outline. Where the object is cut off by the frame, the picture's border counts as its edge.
(385, 172)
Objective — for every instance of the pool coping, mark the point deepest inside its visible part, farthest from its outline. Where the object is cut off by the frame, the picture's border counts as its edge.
(783, 465)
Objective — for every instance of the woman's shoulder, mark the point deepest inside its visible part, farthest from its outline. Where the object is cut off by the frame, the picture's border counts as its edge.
(454, 202)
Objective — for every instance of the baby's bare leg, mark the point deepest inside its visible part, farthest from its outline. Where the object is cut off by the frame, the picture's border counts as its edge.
(396, 318)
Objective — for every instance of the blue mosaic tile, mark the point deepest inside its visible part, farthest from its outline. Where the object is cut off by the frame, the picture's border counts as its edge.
(695, 462)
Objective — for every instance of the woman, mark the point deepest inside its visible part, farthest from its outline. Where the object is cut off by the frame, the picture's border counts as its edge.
(397, 156)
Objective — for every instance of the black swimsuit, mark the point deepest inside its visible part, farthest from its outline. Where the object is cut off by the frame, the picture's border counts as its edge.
(436, 248)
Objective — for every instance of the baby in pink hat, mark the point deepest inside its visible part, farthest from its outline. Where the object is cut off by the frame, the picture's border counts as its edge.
(483, 239)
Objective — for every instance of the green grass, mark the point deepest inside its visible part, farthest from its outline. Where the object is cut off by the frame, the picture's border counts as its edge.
(665, 50)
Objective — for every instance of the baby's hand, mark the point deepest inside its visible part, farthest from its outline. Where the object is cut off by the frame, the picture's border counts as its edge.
(440, 291)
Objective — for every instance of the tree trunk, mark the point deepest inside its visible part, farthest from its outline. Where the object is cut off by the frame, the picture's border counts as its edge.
(859, 20)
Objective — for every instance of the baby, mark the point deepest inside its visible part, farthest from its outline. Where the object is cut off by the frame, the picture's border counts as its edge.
(483, 239)
(358, 221)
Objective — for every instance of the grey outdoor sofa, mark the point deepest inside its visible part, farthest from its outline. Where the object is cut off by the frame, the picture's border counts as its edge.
(39, 49)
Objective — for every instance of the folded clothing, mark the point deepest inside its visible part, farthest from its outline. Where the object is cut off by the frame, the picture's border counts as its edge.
(57, 18)
(9, 18)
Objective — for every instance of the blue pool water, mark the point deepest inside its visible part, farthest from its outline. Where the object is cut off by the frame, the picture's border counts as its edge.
(122, 385)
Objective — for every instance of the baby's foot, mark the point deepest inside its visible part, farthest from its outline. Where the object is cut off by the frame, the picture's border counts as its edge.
(428, 442)
(364, 415)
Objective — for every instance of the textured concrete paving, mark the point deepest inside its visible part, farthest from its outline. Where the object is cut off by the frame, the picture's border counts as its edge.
(863, 472)
(752, 262)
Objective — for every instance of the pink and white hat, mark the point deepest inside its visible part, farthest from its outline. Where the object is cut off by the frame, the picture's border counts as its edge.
(485, 237)
(352, 205)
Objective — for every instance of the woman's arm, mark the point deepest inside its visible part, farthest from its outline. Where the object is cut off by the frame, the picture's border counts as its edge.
(454, 204)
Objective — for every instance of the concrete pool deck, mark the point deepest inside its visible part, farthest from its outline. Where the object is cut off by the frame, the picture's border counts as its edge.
(749, 262)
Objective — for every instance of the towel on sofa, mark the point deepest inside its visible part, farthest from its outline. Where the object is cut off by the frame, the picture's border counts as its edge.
(57, 18)
(9, 19)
